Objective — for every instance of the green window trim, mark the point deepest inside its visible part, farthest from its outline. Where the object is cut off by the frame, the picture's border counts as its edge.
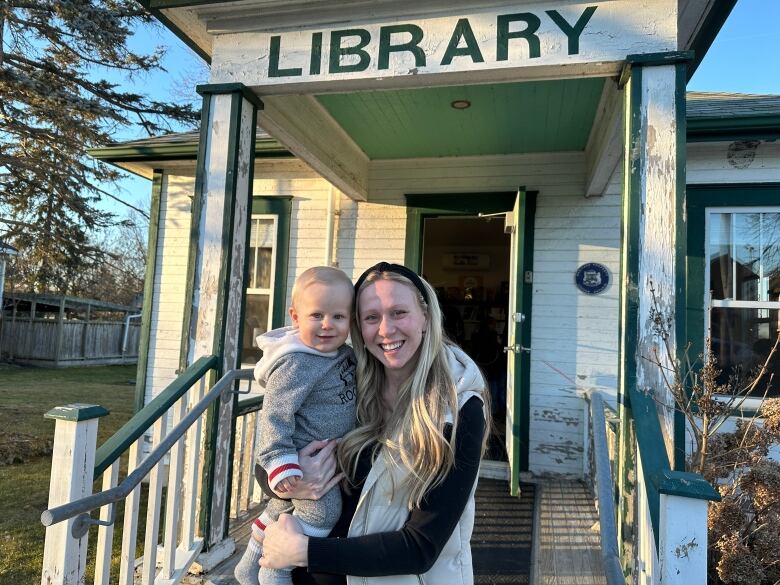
(281, 207)
(701, 197)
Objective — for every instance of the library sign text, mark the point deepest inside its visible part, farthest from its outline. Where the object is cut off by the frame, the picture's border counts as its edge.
(545, 39)
(349, 49)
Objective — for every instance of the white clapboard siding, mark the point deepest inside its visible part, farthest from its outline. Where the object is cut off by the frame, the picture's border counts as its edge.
(170, 275)
(570, 230)
(574, 337)
(721, 162)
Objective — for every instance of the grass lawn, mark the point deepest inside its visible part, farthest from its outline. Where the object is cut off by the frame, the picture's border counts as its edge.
(25, 395)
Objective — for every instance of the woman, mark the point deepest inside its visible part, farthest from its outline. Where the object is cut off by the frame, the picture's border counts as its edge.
(412, 462)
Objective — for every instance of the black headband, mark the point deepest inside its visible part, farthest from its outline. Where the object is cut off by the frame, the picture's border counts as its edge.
(398, 269)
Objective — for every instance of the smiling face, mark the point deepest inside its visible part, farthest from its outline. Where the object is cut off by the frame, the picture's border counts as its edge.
(392, 322)
(321, 314)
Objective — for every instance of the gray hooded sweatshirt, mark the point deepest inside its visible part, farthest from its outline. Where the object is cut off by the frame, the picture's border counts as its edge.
(309, 395)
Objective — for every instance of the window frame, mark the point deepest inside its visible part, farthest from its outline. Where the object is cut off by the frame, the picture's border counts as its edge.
(701, 202)
(279, 208)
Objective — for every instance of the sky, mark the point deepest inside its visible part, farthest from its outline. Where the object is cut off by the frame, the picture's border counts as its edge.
(744, 58)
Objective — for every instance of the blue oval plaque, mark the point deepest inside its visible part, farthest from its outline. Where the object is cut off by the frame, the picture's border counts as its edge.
(592, 278)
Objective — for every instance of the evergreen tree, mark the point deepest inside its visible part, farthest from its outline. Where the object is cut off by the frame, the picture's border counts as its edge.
(55, 103)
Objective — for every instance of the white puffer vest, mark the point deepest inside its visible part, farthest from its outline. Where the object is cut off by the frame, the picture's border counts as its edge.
(382, 509)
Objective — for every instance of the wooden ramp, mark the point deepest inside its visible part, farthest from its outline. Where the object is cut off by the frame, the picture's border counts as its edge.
(506, 551)
(567, 550)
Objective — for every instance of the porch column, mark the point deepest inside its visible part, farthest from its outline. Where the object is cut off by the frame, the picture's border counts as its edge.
(652, 241)
(654, 224)
(219, 236)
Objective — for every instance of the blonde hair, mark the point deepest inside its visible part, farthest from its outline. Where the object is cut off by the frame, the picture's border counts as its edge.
(321, 274)
(413, 434)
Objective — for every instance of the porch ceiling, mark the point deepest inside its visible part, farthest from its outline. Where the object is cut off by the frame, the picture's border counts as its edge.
(509, 118)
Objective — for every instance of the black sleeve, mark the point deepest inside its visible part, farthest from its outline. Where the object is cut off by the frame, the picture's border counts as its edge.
(414, 548)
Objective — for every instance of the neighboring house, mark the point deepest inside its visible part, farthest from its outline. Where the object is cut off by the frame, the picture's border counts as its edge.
(538, 162)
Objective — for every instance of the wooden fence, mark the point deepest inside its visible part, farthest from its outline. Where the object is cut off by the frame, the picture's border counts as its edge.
(49, 342)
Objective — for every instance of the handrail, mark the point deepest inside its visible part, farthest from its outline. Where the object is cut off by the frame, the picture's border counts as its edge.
(659, 478)
(118, 443)
(85, 505)
(604, 484)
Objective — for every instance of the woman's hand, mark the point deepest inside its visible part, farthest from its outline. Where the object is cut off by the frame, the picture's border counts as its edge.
(318, 463)
(285, 545)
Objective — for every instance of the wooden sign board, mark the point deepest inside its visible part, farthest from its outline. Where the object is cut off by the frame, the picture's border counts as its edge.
(552, 39)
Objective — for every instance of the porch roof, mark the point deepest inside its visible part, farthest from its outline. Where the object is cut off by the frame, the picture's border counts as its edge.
(711, 116)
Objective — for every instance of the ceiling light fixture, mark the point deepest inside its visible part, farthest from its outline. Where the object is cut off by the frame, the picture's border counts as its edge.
(460, 104)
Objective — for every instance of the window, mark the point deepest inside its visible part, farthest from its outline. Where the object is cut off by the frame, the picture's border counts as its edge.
(260, 285)
(742, 291)
(266, 279)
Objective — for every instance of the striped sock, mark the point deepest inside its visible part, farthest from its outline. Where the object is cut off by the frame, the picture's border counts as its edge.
(247, 569)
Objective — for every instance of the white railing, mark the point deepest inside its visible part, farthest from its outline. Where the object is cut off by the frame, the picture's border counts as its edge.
(659, 532)
(173, 471)
(246, 494)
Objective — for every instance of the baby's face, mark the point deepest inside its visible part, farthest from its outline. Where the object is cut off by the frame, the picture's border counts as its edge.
(321, 315)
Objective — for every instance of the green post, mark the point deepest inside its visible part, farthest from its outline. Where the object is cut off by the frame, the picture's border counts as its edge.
(215, 287)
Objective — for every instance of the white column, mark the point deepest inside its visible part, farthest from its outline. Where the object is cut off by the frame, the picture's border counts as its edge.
(682, 540)
(72, 468)
(220, 212)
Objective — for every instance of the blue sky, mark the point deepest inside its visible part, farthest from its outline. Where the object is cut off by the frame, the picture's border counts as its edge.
(744, 58)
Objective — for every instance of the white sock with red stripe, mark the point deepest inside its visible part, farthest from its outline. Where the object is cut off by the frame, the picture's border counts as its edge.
(247, 569)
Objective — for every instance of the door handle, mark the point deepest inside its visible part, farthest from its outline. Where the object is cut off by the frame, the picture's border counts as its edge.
(517, 348)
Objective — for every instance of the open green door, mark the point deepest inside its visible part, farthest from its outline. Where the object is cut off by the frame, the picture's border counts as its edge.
(520, 225)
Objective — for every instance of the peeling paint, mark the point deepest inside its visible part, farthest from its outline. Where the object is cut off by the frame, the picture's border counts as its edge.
(681, 551)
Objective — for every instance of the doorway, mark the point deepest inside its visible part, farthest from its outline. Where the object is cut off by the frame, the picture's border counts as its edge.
(467, 260)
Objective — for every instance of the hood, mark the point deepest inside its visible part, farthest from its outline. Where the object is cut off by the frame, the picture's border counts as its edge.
(278, 343)
(465, 373)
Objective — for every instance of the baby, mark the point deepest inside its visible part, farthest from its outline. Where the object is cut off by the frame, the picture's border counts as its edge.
(309, 378)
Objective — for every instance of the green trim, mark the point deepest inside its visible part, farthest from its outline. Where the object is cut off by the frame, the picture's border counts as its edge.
(211, 443)
(245, 278)
(659, 478)
(681, 227)
(652, 59)
(686, 485)
(197, 206)
(764, 127)
(143, 420)
(713, 22)
(264, 148)
(663, 58)
(231, 196)
(632, 204)
(247, 406)
(526, 307)
(146, 311)
(231, 88)
(151, 6)
(628, 306)
(282, 208)
(76, 412)
(420, 207)
(700, 197)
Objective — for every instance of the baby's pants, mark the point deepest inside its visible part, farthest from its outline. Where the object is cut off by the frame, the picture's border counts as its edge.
(317, 517)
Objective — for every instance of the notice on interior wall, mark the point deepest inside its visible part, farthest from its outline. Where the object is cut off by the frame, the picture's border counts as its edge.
(465, 261)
